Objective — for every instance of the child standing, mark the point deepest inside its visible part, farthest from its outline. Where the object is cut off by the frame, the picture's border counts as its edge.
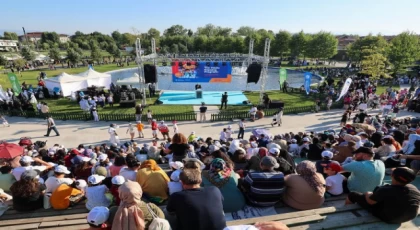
(176, 130)
(95, 114)
(154, 128)
(334, 181)
(95, 193)
(131, 130)
(110, 100)
(140, 128)
(149, 116)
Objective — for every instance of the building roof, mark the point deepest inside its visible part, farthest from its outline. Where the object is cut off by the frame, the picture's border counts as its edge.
(39, 34)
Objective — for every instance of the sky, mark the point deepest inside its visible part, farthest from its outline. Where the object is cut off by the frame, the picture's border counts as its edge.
(387, 17)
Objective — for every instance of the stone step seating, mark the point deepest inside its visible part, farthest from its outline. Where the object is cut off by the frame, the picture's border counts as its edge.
(332, 215)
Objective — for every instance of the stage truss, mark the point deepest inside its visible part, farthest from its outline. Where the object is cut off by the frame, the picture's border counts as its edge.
(264, 71)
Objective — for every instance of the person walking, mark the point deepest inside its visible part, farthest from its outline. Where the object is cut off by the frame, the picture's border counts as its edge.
(203, 110)
(139, 112)
(51, 126)
(140, 128)
(241, 129)
(224, 100)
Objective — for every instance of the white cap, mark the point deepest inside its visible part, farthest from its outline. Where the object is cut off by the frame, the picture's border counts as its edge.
(51, 153)
(118, 180)
(305, 139)
(294, 140)
(95, 179)
(86, 159)
(61, 169)
(274, 151)
(27, 159)
(175, 175)
(176, 164)
(328, 154)
(229, 127)
(98, 215)
(102, 157)
(162, 122)
(81, 184)
(40, 180)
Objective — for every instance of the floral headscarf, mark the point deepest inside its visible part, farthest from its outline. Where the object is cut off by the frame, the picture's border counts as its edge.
(219, 173)
(307, 170)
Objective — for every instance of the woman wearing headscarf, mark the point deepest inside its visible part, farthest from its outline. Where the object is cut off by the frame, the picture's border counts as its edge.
(254, 162)
(133, 213)
(306, 189)
(226, 180)
(286, 162)
(154, 181)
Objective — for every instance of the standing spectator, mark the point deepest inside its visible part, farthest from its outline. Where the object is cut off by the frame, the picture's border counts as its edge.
(149, 116)
(164, 130)
(139, 112)
(179, 147)
(366, 173)
(203, 110)
(224, 100)
(196, 208)
(175, 126)
(95, 114)
(140, 128)
(130, 130)
(241, 129)
(264, 188)
(110, 100)
(395, 203)
(51, 126)
(45, 109)
(154, 127)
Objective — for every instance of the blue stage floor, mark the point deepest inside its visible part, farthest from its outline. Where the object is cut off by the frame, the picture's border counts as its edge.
(209, 97)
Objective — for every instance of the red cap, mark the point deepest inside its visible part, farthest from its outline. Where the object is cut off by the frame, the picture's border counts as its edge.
(334, 167)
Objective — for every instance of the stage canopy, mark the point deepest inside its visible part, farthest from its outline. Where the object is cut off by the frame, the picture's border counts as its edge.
(66, 83)
(95, 78)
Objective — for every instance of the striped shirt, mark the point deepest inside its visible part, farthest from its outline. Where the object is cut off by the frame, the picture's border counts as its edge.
(264, 188)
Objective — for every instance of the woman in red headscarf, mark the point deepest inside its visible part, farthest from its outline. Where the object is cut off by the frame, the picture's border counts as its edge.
(254, 162)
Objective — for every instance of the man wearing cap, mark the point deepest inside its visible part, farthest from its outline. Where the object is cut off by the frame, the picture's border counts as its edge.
(284, 166)
(26, 162)
(264, 188)
(53, 182)
(366, 173)
(395, 203)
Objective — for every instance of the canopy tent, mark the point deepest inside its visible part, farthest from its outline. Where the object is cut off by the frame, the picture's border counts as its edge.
(67, 83)
(41, 57)
(95, 78)
(133, 80)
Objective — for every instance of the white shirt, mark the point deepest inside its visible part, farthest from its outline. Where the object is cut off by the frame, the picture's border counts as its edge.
(149, 115)
(228, 133)
(176, 128)
(241, 124)
(128, 174)
(294, 149)
(96, 197)
(174, 187)
(336, 184)
(223, 136)
(53, 182)
(17, 172)
(363, 106)
(50, 122)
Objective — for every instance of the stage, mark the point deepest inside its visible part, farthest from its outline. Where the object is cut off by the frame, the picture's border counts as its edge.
(209, 97)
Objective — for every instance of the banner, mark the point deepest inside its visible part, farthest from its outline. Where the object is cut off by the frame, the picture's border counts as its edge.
(345, 88)
(307, 84)
(15, 83)
(283, 76)
(209, 72)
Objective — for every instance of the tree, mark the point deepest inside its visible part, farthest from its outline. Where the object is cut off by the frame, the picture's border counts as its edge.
(27, 54)
(404, 50)
(245, 31)
(73, 56)
(153, 33)
(281, 43)
(355, 49)
(190, 33)
(165, 50)
(54, 53)
(50, 37)
(128, 39)
(323, 45)
(174, 48)
(95, 52)
(298, 44)
(182, 48)
(114, 50)
(117, 37)
(3, 60)
(19, 63)
(200, 43)
(175, 30)
(373, 63)
(45, 46)
(10, 36)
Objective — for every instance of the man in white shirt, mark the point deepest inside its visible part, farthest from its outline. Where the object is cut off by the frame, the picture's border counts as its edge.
(252, 112)
(51, 126)
(363, 106)
(25, 163)
(229, 133)
(223, 136)
(241, 129)
(53, 182)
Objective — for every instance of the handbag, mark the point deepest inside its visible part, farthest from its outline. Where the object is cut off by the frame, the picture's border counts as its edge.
(157, 222)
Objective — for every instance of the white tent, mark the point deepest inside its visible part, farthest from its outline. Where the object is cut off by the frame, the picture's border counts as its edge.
(67, 83)
(42, 57)
(134, 80)
(95, 78)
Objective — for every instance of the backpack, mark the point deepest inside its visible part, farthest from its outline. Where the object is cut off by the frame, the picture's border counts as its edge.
(157, 222)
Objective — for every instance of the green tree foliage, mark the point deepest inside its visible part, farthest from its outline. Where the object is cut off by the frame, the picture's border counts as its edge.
(114, 50)
(245, 31)
(10, 36)
(45, 46)
(27, 54)
(3, 60)
(298, 44)
(355, 50)
(19, 63)
(174, 48)
(117, 36)
(50, 38)
(322, 45)
(54, 53)
(281, 43)
(175, 30)
(73, 55)
(404, 50)
(373, 63)
(95, 52)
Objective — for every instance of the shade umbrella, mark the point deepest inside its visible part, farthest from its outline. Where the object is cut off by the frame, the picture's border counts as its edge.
(10, 150)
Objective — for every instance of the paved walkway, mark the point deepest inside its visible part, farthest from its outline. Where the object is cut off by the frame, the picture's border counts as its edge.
(74, 133)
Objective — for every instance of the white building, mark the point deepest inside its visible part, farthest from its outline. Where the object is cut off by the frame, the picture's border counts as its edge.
(64, 38)
(36, 36)
(9, 45)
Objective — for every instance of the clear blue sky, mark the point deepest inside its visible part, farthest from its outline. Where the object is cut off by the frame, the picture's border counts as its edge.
(337, 16)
